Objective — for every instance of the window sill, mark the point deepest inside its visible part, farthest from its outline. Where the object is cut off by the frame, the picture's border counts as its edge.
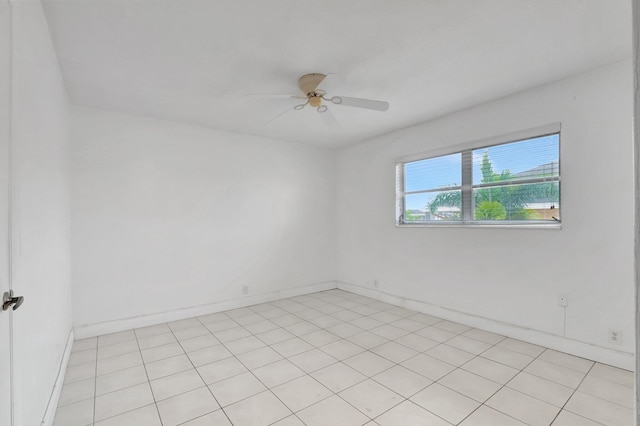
(550, 226)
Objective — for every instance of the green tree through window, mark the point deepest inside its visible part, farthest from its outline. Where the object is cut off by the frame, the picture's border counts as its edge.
(500, 202)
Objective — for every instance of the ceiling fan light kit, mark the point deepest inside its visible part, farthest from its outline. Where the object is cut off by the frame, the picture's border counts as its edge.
(315, 101)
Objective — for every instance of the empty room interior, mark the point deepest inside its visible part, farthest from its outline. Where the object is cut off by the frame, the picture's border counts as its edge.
(379, 213)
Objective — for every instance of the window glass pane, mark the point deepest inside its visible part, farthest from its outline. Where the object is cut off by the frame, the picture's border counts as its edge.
(528, 159)
(432, 173)
(431, 206)
(537, 201)
(512, 182)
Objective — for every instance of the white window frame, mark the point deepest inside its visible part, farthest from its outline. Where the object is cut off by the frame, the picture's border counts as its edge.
(467, 186)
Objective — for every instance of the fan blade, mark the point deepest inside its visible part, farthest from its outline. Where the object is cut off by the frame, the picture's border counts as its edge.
(329, 119)
(328, 79)
(279, 115)
(274, 96)
(360, 103)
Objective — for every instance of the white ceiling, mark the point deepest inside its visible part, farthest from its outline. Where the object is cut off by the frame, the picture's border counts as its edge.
(195, 61)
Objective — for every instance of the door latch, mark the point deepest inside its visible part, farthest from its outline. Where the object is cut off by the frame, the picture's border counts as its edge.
(9, 300)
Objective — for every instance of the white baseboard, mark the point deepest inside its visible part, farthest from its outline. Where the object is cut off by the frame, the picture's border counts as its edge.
(590, 351)
(50, 412)
(98, 329)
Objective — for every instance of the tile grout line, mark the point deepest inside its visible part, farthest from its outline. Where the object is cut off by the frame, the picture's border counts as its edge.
(95, 385)
(126, 387)
(144, 365)
(337, 361)
(502, 386)
(307, 374)
(403, 398)
(456, 367)
(257, 378)
(571, 396)
(355, 384)
(267, 388)
(198, 372)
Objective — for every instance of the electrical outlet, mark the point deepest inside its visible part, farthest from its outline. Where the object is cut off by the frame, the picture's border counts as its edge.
(376, 284)
(245, 290)
(563, 300)
(615, 337)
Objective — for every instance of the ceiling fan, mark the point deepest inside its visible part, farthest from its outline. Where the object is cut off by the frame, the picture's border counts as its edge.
(316, 98)
(309, 83)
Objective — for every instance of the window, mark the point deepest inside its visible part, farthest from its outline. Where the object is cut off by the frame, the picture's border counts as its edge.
(499, 184)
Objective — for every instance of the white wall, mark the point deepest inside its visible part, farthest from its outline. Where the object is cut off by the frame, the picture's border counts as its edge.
(509, 275)
(41, 214)
(168, 216)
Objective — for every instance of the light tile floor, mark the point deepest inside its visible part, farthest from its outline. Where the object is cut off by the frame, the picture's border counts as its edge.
(333, 358)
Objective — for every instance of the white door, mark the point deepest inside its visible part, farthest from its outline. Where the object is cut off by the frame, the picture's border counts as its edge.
(5, 316)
